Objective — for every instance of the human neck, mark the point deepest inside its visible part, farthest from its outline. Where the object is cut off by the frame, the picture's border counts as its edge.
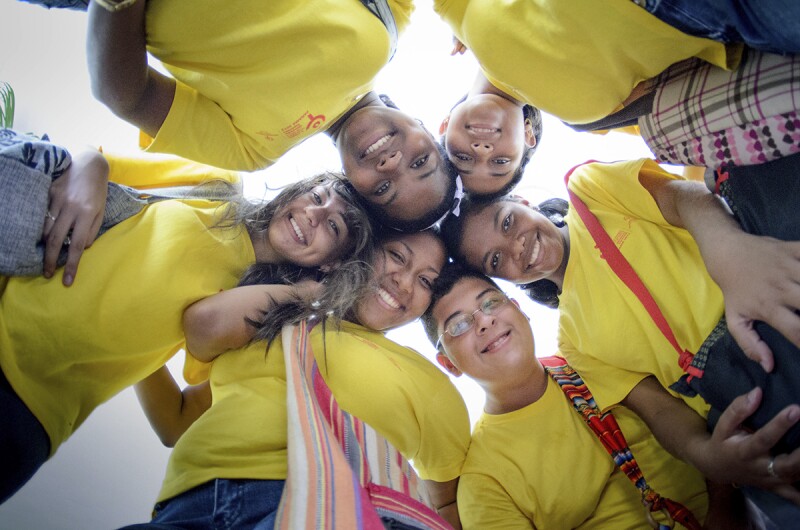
(369, 99)
(483, 86)
(510, 396)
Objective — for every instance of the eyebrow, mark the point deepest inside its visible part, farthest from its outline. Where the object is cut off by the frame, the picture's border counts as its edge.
(456, 313)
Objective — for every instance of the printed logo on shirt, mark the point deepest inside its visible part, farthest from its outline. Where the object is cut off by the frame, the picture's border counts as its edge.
(620, 237)
(302, 124)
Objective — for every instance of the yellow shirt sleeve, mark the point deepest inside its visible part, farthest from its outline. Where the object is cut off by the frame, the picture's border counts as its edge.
(149, 171)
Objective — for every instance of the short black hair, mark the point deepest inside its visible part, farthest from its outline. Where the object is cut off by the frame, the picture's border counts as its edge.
(451, 274)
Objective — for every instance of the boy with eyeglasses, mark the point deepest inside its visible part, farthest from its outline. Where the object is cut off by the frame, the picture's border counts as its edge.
(533, 461)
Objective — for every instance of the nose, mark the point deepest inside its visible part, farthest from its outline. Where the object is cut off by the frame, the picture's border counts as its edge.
(315, 213)
(483, 322)
(519, 247)
(390, 161)
(403, 279)
(482, 147)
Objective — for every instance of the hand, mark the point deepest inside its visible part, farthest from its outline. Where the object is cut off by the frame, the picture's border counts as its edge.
(308, 290)
(77, 205)
(458, 47)
(760, 281)
(736, 456)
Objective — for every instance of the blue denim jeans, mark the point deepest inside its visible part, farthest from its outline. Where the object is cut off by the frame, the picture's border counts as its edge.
(768, 25)
(80, 5)
(24, 444)
(223, 504)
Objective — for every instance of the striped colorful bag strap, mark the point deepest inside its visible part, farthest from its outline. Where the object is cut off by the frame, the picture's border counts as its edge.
(623, 269)
(610, 435)
(342, 474)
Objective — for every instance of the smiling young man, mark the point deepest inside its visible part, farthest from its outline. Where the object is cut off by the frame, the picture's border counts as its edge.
(532, 460)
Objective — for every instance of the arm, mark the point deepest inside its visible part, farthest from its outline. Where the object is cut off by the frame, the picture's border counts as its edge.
(120, 76)
(218, 323)
(169, 409)
(759, 276)
(443, 497)
(77, 205)
(729, 454)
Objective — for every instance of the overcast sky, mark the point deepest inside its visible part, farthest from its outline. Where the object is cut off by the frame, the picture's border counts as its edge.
(110, 471)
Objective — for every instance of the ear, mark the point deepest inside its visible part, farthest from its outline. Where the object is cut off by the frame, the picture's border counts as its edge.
(444, 125)
(328, 267)
(530, 138)
(514, 301)
(447, 364)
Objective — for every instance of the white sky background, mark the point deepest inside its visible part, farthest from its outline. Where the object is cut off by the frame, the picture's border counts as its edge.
(108, 474)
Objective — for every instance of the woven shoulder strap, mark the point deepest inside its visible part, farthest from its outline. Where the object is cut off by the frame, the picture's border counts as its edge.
(342, 474)
(623, 269)
(605, 427)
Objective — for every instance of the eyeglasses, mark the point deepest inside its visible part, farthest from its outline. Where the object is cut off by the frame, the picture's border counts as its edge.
(463, 323)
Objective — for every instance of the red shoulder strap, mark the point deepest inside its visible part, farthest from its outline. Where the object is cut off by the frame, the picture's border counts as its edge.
(623, 269)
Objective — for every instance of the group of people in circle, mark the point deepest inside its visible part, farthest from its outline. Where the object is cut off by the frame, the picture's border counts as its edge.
(416, 226)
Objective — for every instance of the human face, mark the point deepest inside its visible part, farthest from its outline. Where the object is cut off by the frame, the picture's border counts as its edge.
(497, 348)
(512, 241)
(311, 230)
(405, 270)
(393, 162)
(486, 137)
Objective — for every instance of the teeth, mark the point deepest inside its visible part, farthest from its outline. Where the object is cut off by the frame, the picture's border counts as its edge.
(494, 343)
(377, 145)
(297, 229)
(483, 130)
(389, 299)
(535, 252)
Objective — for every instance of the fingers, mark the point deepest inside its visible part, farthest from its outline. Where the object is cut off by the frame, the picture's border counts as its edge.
(739, 410)
(748, 339)
(765, 438)
(787, 323)
(81, 237)
(458, 47)
(787, 492)
(55, 240)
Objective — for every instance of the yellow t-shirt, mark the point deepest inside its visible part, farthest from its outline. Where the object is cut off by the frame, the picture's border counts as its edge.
(542, 467)
(151, 171)
(576, 60)
(394, 389)
(66, 350)
(257, 79)
(604, 331)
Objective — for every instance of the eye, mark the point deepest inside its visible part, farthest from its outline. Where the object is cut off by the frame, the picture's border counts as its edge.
(507, 220)
(382, 188)
(491, 305)
(316, 198)
(426, 282)
(495, 261)
(334, 226)
(460, 325)
(420, 162)
(397, 256)
(501, 161)
(462, 157)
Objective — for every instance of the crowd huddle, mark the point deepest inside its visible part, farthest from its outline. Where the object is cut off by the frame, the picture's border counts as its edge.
(674, 395)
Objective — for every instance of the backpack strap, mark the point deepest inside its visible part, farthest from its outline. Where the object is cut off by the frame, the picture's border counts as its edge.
(605, 427)
(381, 9)
(623, 269)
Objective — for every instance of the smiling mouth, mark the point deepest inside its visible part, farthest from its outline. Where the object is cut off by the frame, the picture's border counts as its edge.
(481, 129)
(496, 343)
(390, 300)
(380, 142)
(297, 231)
